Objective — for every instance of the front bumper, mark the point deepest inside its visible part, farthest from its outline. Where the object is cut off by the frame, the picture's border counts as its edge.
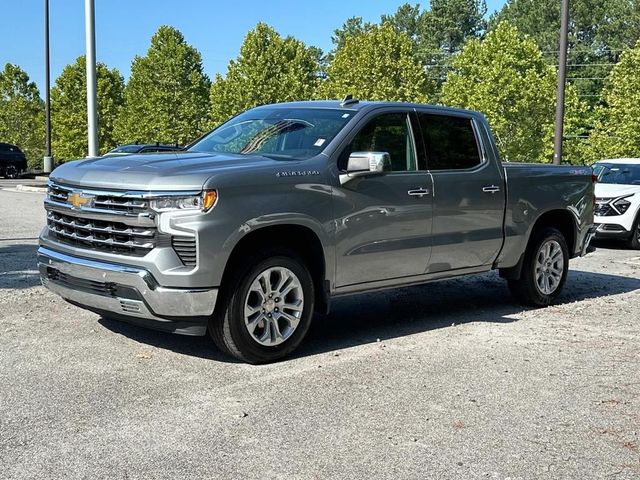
(126, 292)
(611, 230)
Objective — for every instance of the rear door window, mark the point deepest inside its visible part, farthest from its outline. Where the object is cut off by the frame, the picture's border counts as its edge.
(450, 142)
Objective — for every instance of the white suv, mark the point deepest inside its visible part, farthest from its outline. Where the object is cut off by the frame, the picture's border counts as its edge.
(617, 213)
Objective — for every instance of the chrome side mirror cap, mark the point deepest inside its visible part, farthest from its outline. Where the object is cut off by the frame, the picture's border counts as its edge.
(361, 164)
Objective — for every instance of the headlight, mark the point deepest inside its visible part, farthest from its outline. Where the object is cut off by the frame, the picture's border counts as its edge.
(203, 202)
(622, 204)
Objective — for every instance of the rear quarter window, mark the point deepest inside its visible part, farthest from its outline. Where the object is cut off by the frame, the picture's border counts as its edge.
(450, 142)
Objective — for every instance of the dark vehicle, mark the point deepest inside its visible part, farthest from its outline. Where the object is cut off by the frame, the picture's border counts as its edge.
(143, 148)
(12, 161)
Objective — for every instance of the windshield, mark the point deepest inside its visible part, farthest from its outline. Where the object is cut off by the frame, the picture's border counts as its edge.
(277, 132)
(621, 173)
(126, 149)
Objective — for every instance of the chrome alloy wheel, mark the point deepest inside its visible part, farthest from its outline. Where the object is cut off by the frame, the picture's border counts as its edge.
(273, 306)
(549, 267)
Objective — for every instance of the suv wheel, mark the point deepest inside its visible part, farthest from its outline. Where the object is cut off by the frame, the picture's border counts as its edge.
(544, 271)
(11, 171)
(267, 309)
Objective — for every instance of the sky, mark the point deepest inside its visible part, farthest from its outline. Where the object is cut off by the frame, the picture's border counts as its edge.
(124, 28)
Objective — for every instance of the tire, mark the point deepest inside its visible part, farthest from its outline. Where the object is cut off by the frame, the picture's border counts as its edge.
(254, 327)
(540, 282)
(634, 241)
(11, 171)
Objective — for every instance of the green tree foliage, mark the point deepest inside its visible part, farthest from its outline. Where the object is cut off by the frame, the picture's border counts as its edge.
(599, 31)
(505, 77)
(617, 132)
(449, 23)
(21, 113)
(378, 64)
(269, 69)
(436, 33)
(352, 27)
(167, 96)
(69, 109)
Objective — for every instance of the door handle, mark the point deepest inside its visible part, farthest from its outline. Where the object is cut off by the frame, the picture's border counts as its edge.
(491, 189)
(418, 192)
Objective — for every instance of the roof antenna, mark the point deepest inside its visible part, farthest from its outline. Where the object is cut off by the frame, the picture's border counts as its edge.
(348, 100)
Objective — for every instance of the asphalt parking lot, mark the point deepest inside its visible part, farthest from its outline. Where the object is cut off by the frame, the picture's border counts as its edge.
(448, 380)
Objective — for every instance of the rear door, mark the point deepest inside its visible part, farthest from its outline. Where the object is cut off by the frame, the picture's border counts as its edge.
(468, 192)
(383, 222)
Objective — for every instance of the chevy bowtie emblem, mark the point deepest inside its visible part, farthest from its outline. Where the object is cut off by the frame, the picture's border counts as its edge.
(78, 200)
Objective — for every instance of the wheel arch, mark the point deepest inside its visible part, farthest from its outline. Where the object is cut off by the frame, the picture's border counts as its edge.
(301, 238)
(561, 219)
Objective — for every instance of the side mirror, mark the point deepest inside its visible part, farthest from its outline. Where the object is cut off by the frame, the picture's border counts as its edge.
(362, 164)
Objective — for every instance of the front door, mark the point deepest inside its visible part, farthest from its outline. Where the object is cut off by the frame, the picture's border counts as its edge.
(382, 226)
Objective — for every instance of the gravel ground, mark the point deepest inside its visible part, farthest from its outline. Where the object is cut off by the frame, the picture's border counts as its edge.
(448, 380)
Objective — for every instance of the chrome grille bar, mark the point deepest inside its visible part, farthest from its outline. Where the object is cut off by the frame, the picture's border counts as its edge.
(95, 226)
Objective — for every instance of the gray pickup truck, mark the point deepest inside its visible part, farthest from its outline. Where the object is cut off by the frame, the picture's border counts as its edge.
(262, 221)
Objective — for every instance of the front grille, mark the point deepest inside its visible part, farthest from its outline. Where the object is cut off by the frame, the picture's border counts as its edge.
(109, 201)
(185, 248)
(111, 236)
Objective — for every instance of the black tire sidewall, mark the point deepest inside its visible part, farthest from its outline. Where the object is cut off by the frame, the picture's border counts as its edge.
(634, 241)
(11, 172)
(248, 347)
(544, 236)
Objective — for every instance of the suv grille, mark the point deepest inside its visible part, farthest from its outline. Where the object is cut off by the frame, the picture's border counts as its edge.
(100, 234)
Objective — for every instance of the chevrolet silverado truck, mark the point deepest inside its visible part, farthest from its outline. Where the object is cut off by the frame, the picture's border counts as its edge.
(268, 217)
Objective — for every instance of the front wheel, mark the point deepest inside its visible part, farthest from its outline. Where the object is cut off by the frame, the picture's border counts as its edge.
(544, 271)
(266, 310)
(634, 241)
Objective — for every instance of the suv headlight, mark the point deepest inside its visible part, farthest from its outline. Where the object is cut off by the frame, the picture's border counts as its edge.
(203, 202)
(622, 204)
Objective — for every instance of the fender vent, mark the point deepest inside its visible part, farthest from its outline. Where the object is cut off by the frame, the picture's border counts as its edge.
(185, 248)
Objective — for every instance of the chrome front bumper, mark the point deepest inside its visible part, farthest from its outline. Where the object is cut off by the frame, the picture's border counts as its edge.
(127, 292)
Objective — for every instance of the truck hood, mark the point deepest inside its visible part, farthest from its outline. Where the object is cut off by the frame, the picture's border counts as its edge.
(164, 171)
(612, 190)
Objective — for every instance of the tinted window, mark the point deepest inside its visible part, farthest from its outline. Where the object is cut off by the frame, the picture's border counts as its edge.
(386, 133)
(5, 147)
(450, 142)
(126, 149)
(620, 173)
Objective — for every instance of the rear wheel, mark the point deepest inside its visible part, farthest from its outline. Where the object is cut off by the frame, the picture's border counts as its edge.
(544, 271)
(266, 310)
(11, 171)
(634, 241)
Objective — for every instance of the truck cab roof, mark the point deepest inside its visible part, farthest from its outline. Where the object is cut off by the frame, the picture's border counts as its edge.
(363, 105)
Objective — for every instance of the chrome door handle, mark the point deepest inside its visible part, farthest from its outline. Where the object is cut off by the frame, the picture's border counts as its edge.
(491, 189)
(418, 192)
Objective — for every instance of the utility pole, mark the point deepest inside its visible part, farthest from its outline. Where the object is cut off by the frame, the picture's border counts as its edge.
(47, 163)
(562, 80)
(92, 112)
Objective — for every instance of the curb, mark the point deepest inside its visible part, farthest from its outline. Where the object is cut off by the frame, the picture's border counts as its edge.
(32, 188)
